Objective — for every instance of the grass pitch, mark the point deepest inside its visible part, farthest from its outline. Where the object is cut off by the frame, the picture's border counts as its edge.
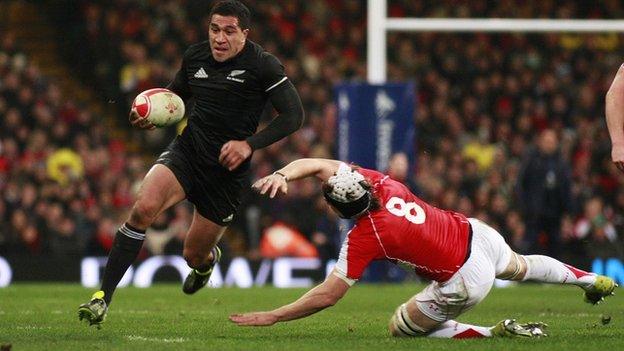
(44, 317)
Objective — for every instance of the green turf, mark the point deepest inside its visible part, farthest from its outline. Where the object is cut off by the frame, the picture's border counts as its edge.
(43, 317)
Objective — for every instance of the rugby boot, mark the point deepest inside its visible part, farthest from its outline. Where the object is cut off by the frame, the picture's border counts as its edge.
(95, 310)
(511, 329)
(196, 280)
(602, 287)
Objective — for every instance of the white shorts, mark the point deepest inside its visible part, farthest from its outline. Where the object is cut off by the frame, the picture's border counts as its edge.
(489, 257)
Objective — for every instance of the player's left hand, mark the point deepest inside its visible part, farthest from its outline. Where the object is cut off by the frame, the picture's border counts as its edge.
(233, 153)
(254, 319)
(140, 122)
(272, 184)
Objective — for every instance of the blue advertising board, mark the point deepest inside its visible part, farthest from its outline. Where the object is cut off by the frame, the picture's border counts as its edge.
(374, 122)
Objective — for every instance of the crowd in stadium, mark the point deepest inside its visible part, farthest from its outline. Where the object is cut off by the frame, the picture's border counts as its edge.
(490, 107)
(63, 181)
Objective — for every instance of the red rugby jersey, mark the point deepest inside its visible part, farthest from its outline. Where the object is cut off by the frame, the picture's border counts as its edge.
(405, 230)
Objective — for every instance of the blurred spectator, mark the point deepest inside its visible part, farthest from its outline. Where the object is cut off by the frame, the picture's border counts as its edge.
(64, 241)
(134, 76)
(544, 190)
(399, 169)
(598, 232)
(159, 234)
(480, 150)
(25, 237)
(65, 166)
(103, 239)
(326, 236)
(183, 215)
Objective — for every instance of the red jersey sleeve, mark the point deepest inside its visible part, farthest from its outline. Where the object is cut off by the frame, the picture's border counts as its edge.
(359, 248)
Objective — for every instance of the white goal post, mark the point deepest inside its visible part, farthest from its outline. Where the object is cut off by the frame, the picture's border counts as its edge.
(379, 24)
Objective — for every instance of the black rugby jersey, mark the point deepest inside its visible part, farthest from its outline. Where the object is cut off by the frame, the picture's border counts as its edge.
(229, 96)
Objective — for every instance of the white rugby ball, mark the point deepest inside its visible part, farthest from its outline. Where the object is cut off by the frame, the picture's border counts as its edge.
(160, 106)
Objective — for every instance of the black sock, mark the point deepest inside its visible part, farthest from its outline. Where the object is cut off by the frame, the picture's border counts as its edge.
(207, 266)
(126, 248)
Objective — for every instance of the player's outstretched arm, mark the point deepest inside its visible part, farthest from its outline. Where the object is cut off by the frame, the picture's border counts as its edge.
(614, 111)
(322, 296)
(298, 169)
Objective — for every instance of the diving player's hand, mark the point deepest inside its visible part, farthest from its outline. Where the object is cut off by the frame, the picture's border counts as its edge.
(140, 122)
(254, 319)
(273, 182)
(233, 153)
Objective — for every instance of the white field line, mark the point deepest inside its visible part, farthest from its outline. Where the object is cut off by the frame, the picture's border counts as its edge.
(32, 327)
(161, 340)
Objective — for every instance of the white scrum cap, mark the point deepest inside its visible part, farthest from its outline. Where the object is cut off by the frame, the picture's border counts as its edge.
(345, 184)
(346, 191)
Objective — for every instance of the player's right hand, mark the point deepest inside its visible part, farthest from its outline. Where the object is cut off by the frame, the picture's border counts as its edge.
(617, 156)
(140, 122)
(272, 184)
(254, 319)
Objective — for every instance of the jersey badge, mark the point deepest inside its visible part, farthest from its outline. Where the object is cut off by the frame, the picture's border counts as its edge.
(234, 74)
(201, 73)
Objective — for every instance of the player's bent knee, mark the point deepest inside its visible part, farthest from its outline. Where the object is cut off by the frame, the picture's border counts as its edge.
(401, 325)
(516, 269)
(144, 212)
(523, 267)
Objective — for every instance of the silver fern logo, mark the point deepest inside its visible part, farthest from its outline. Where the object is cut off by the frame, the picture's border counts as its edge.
(235, 73)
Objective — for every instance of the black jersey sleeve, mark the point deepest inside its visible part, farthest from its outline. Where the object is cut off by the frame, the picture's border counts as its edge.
(179, 84)
(290, 117)
(272, 72)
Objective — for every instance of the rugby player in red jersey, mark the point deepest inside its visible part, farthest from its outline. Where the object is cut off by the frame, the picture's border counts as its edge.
(461, 256)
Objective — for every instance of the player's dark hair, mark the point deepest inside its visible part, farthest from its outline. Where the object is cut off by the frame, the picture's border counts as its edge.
(233, 8)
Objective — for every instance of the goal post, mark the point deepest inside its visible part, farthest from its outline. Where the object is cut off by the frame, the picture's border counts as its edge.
(379, 24)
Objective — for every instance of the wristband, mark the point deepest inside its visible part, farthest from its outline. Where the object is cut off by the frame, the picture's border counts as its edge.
(281, 174)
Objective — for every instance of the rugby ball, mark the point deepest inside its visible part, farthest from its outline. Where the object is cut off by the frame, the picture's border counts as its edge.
(160, 106)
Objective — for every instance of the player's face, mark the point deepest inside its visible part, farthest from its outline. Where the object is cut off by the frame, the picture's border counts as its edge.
(336, 212)
(226, 37)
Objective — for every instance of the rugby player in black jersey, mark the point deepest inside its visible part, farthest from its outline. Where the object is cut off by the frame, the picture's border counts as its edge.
(231, 79)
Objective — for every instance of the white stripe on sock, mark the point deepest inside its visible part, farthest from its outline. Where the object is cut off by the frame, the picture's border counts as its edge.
(131, 233)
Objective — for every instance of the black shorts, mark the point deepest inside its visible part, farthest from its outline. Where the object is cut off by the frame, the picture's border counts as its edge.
(215, 191)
